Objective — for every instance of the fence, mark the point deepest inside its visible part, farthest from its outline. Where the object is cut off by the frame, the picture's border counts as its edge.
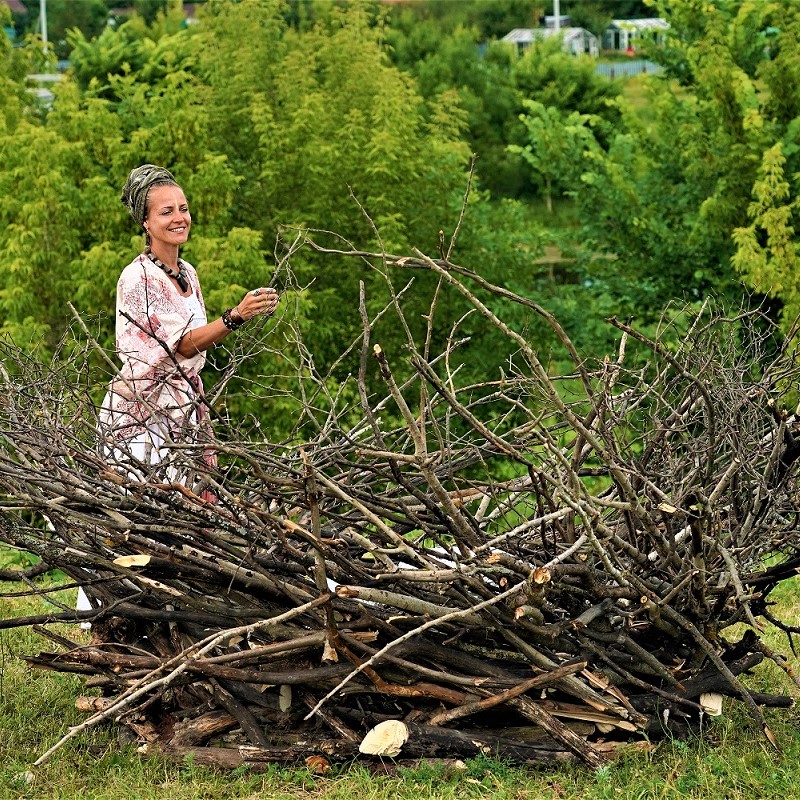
(627, 69)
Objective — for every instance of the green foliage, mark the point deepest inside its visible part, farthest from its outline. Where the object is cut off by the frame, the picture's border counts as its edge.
(148, 10)
(89, 16)
(280, 116)
(767, 250)
(493, 82)
(594, 16)
(265, 127)
(557, 145)
(618, 9)
(45, 219)
(486, 92)
(670, 199)
(491, 20)
(554, 78)
(640, 204)
(146, 53)
(14, 65)
(310, 121)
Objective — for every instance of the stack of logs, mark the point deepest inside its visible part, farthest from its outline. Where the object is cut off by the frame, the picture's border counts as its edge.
(537, 568)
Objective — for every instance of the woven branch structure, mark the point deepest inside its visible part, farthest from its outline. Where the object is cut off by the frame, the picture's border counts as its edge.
(538, 568)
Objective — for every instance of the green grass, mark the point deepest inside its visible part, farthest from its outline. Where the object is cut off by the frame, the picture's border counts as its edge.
(635, 93)
(731, 761)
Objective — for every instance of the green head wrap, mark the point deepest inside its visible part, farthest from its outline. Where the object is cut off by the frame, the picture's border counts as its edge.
(139, 183)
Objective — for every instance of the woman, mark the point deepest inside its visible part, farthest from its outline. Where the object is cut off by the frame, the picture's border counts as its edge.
(162, 333)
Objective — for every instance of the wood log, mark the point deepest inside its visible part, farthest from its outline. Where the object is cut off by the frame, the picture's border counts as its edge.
(423, 743)
(197, 731)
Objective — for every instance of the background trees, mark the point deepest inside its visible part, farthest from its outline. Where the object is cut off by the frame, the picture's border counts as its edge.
(265, 127)
(361, 120)
(686, 196)
(557, 145)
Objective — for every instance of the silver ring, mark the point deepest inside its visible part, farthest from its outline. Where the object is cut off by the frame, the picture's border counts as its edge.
(256, 292)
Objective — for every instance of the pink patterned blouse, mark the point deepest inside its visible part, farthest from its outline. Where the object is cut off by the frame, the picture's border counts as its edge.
(157, 392)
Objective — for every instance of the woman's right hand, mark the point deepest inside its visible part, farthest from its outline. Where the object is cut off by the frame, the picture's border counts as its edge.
(263, 300)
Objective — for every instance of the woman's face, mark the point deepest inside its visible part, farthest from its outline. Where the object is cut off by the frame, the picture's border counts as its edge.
(168, 219)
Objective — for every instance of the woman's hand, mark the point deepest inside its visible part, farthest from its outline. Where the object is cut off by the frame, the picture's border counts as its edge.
(197, 340)
(259, 301)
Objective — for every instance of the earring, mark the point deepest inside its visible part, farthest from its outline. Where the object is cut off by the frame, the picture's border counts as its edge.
(147, 240)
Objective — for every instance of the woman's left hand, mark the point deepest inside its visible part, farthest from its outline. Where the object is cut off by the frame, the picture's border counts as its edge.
(263, 300)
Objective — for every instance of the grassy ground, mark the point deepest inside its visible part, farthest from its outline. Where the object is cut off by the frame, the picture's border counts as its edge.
(731, 761)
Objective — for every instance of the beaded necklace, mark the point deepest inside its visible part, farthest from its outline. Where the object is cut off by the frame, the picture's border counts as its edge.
(179, 274)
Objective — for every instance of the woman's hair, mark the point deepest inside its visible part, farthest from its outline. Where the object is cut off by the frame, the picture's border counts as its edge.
(139, 183)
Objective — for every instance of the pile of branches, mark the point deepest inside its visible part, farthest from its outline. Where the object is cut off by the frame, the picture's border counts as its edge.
(537, 568)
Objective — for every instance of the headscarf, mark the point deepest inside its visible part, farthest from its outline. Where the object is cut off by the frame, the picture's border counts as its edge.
(139, 183)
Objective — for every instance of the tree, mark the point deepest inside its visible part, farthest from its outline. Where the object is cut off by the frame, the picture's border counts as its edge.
(486, 91)
(491, 20)
(618, 9)
(492, 82)
(557, 146)
(148, 10)
(14, 65)
(766, 250)
(554, 78)
(265, 127)
(664, 199)
(311, 121)
(88, 16)
(592, 16)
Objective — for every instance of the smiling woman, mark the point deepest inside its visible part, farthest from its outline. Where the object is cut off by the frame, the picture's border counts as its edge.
(162, 331)
(154, 411)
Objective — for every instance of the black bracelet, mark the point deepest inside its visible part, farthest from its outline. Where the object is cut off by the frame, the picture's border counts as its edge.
(228, 321)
